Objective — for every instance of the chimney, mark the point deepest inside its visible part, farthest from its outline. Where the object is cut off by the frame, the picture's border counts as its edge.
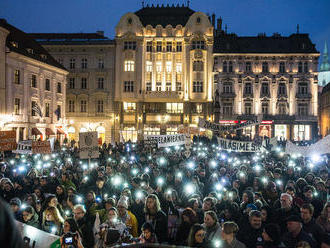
(213, 20)
(219, 24)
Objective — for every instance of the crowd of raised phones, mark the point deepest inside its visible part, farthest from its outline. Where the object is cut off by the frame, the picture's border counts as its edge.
(204, 198)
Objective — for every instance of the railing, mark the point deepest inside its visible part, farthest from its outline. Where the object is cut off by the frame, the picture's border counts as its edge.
(227, 95)
(304, 95)
(164, 94)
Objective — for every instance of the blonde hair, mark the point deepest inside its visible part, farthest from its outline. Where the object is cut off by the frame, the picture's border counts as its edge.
(157, 203)
(58, 219)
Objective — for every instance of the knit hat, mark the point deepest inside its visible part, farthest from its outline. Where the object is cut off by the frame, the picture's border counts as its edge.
(294, 218)
(123, 202)
(274, 232)
(15, 201)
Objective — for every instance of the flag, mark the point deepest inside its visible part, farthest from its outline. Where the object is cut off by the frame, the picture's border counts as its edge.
(37, 109)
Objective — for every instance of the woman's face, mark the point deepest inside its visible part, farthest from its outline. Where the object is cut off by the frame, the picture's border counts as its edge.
(146, 234)
(49, 216)
(26, 216)
(263, 215)
(66, 227)
(208, 220)
(150, 203)
(59, 190)
(199, 236)
(90, 197)
(112, 215)
(53, 202)
(196, 205)
(245, 197)
(29, 200)
(37, 192)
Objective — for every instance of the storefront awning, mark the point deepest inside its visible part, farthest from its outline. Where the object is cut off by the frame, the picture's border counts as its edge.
(49, 131)
(35, 131)
(60, 131)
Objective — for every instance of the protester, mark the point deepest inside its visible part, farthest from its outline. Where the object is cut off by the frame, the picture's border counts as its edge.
(228, 235)
(196, 236)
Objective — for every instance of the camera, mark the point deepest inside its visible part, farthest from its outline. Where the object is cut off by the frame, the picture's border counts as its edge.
(70, 239)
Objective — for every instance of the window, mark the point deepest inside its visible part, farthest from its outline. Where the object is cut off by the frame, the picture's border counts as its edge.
(282, 67)
(148, 86)
(179, 46)
(178, 67)
(83, 63)
(17, 74)
(300, 67)
(33, 108)
(178, 86)
(148, 76)
(149, 66)
(17, 106)
(83, 83)
(168, 66)
(100, 106)
(47, 108)
(282, 108)
(197, 87)
(197, 108)
(264, 108)
(34, 81)
(174, 107)
(100, 83)
(198, 44)
(305, 67)
(83, 106)
(198, 66)
(224, 66)
(71, 83)
(101, 63)
(303, 109)
(248, 67)
(130, 45)
(227, 109)
(158, 86)
(159, 66)
(59, 111)
(168, 46)
(149, 46)
(302, 132)
(265, 67)
(303, 88)
(264, 89)
(230, 66)
(47, 84)
(129, 65)
(128, 86)
(71, 106)
(168, 86)
(59, 88)
(129, 106)
(248, 89)
(248, 108)
(159, 46)
(282, 89)
(72, 63)
(227, 88)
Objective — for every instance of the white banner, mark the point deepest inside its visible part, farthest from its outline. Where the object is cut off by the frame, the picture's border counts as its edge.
(202, 123)
(166, 140)
(34, 237)
(88, 145)
(319, 148)
(238, 146)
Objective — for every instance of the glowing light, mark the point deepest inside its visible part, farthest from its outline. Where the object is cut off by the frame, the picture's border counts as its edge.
(160, 181)
(179, 174)
(67, 212)
(189, 188)
(23, 206)
(213, 163)
(79, 199)
(279, 182)
(162, 161)
(264, 180)
(12, 162)
(218, 186)
(53, 229)
(257, 168)
(116, 180)
(138, 194)
(316, 158)
(85, 167)
(21, 168)
(217, 243)
(191, 165)
(46, 157)
(241, 174)
(135, 171)
(146, 170)
(105, 195)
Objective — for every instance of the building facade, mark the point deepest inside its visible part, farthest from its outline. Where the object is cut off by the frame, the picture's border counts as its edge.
(273, 77)
(163, 70)
(324, 74)
(90, 59)
(325, 111)
(32, 87)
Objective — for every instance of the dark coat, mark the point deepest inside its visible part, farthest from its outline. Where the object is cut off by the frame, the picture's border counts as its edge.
(160, 225)
(86, 230)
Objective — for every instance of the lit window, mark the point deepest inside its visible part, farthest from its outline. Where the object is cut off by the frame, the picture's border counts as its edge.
(129, 65)
(149, 66)
(129, 106)
(168, 66)
(17, 106)
(159, 66)
(174, 107)
(178, 67)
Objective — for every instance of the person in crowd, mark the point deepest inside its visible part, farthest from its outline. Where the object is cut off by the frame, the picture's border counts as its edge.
(324, 219)
(196, 236)
(127, 216)
(70, 227)
(148, 234)
(271, 236)
(15, 205)
(52, 221)
(250, 232)
(84, 225)
(228, 235)
(30, 217)
(61, 195)
(155, 215)
(212, 226)
(188, 219)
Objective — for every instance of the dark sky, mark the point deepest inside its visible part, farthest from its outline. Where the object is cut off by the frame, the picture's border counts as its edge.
(244, 17)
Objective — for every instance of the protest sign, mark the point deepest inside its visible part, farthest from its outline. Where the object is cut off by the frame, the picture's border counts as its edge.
(42, 147)
(238, 146)
(166, 140)
(318, 148)
(7, 140)
(34, 237)
(88, 145)
(202, 123)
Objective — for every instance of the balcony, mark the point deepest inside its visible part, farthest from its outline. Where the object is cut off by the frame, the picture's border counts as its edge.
(282, 95)
(279, 117)
(304, 95)
(248, 95)
(262, 95)
(175, 95)
(306, 118)
(227, 95)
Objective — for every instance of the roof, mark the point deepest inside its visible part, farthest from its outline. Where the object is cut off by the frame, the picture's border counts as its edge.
(164, 15)
(326, 89)
(295, 43)
(20, 42)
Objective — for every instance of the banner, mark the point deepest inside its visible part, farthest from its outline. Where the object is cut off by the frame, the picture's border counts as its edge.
(166, 140)
(33, 237)
(88, 145)
(42, 147)
(202, 123)
(7, 140)
(318, 148)
(238, 146)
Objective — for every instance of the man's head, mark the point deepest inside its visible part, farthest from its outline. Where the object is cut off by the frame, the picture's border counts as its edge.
(15, 204)
(286, 201)
(100, 182)
(306, 212)
(294, 224)
(255, 219)
(308, 192)
(208, 203)
(79, 212)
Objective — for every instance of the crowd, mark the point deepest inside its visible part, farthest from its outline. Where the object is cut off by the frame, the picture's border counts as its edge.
(206, 197)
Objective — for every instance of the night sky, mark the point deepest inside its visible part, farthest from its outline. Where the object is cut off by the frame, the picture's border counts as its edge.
(243, 17)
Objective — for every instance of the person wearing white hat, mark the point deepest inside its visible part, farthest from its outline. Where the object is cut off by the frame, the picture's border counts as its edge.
(127, 216)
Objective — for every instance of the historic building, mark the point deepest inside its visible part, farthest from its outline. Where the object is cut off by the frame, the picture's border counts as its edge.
(163, 70)
(324, 73)
(90, 59)
(32, 87)
(274, 77)
(325, 111)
